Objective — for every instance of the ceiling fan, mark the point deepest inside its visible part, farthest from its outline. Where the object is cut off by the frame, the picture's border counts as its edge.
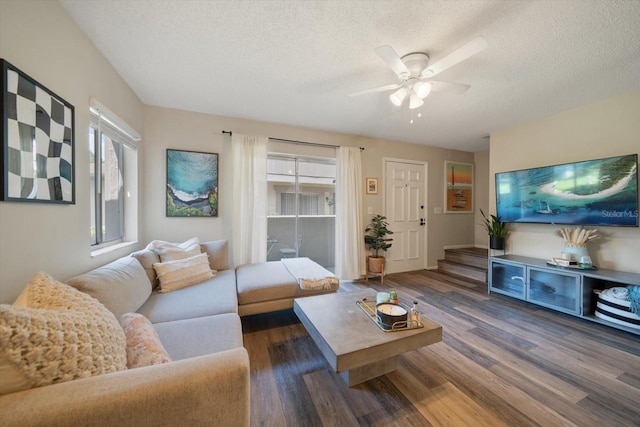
(415, 73)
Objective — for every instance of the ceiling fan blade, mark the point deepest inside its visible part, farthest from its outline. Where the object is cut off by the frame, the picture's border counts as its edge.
(474, 46)
(455, 88)
(377, 89)
(389, 55)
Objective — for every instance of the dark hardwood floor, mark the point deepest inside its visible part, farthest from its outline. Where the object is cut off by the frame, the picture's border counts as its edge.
(501, 362)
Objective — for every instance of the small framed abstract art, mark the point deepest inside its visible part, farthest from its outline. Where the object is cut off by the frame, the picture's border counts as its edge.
(458, 191)
(192, 184)
(372, 185)
(38, 144)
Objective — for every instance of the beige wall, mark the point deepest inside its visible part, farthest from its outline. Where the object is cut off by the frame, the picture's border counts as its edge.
(606, 128)
(40, 39)
(481, 172)
(168, 128)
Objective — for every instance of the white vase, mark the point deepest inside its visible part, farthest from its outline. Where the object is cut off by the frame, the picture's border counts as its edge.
(575, 251)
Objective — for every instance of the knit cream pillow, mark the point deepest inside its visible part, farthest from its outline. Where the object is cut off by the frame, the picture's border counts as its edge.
(60, 335)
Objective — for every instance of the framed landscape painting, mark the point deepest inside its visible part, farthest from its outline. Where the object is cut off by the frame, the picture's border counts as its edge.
(458, 187)
(192, 184)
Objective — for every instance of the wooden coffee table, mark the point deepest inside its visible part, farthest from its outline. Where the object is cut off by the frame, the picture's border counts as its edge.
(351, 342)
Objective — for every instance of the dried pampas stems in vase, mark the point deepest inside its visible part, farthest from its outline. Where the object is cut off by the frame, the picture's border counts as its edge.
(575, 241)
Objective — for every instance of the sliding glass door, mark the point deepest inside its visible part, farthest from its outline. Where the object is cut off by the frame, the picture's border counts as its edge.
(301, 210)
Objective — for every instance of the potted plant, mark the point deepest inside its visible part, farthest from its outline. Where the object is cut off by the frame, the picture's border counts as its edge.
(496, 229)
(377, 240)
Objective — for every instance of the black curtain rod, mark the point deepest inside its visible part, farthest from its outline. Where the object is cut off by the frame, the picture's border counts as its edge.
(290, 141)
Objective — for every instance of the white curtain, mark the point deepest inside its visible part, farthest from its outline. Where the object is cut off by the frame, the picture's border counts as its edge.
(249, 225)
(350, 261)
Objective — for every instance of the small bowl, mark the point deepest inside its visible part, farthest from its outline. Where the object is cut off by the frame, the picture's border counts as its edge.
(390, 314)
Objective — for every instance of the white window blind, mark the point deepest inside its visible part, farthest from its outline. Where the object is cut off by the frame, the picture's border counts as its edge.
(108, 122)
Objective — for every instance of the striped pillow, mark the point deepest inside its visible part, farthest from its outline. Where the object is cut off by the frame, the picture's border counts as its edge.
(181, 273)
(174, 251)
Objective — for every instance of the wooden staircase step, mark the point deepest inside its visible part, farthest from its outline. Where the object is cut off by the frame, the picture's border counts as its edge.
(464, 270)
(476, 257)
(470, 262)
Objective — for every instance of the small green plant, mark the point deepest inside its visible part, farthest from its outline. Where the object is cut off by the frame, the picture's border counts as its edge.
(494, 226)
(378, 231)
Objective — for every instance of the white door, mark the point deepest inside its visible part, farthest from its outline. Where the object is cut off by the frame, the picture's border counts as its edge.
(405, 184)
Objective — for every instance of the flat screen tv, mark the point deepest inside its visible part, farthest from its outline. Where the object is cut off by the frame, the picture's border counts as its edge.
(593, 192)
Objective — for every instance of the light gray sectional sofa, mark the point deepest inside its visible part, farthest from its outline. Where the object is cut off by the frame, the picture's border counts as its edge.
(268, 286)
(207, 382)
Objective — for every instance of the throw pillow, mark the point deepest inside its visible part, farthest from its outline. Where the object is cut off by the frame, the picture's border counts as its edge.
(218, 251)
(175, 251)
(183, 272)
(143, 343)
(60, 335)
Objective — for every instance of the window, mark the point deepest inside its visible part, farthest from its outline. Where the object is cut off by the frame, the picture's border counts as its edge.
(113, 178)
(301, 185)
(301, 211)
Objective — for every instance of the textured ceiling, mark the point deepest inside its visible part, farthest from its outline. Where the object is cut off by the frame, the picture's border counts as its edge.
(295, 62)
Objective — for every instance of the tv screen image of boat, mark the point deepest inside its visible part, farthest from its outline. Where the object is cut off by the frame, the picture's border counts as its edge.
(593, 192)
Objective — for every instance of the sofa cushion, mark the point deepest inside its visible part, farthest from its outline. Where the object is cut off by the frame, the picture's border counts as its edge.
(60, 335)
(188, 338)
(147, 258)
(144, 347)
(218, 251)
(180, 273)
(214, 296)
(264, 281)
(270, 281)
(122, 285)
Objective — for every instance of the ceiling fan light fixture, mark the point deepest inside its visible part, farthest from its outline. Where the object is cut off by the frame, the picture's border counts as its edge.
(415, 101)
(422, 89)
(397, 97)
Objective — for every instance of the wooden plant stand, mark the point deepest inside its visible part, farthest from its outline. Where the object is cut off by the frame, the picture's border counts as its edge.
(381, 274)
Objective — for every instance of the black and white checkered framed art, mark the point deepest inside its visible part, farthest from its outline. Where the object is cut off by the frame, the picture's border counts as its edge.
(38, 151)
